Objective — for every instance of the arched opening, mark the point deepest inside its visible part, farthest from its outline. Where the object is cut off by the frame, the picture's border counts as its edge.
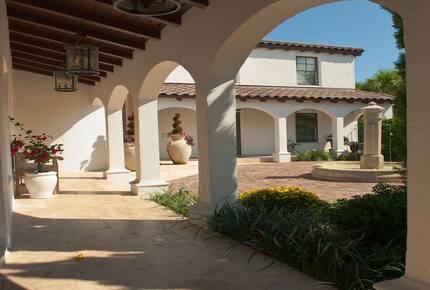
(307, 71)
(251, 125)
(188, 118)
(309, 129)
(165, 120)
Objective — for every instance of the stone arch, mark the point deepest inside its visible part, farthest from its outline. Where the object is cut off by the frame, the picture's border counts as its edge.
(244, 37)
(154, 79)
(325, 122)
(117, 98)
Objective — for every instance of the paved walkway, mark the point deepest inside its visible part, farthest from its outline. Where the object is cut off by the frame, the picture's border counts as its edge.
(111, 240)
(251, 176)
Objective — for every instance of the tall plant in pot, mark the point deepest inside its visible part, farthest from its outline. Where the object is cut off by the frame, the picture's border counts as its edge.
(35, 148)
(179, 149)
(129, 148)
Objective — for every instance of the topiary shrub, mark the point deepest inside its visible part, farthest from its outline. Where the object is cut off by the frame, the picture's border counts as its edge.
(177, 129)
(314, 155)
(290, 197)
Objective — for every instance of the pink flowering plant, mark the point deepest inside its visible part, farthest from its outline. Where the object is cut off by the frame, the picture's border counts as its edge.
(34, 147)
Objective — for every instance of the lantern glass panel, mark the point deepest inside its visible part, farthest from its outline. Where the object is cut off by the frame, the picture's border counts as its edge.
(82, 59)
(65, 82)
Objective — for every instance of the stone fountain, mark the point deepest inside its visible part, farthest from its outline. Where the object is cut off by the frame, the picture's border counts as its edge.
(371, 167)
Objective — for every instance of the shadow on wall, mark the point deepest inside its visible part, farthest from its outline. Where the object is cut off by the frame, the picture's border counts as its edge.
(71, 118)
(98, 156)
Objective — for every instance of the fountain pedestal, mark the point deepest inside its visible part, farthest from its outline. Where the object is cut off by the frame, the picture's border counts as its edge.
(372, 119)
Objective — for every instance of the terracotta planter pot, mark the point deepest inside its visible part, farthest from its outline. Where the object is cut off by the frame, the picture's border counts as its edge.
(41, 185)
(130, 157)
(178, 149)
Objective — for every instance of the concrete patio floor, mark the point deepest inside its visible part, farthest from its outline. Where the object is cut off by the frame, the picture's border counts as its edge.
(112, 240)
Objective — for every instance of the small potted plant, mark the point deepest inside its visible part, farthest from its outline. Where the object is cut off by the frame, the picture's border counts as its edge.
(36, 148)
(179, 149)
(129, 148)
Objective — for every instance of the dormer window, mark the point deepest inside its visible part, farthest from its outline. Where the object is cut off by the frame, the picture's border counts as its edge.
(307, 71)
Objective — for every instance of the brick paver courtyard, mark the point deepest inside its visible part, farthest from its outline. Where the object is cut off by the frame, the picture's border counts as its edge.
(251, 176)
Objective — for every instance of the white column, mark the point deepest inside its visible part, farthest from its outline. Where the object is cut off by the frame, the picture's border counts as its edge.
(216, 128)
(417, 275)
(115, 137)
(338, 135)
(148, 179)
(281, 153)
(6, 98)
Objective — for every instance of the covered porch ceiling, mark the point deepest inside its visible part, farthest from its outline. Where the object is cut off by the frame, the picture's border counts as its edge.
(40, 28)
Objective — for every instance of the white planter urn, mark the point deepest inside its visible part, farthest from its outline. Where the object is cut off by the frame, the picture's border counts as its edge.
(130, 157)
(178, 149)
(41, 185)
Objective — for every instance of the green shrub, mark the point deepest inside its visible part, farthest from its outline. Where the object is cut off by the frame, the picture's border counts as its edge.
(176, 201)
(298, 239)
(381, 216)
(350, 243)
(290, 197)
(314, 155)
(348, 156)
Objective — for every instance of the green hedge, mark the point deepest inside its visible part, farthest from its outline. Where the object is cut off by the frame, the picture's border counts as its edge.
(350, 243)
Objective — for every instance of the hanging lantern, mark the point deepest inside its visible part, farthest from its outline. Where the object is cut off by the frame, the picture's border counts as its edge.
(65, 82)
(82, 59)
(148, 7)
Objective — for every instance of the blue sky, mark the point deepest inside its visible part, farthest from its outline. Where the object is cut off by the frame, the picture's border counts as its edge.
(357, 23)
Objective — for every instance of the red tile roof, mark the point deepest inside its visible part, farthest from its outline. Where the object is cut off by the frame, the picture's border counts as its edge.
(270, 44)
(176, 90)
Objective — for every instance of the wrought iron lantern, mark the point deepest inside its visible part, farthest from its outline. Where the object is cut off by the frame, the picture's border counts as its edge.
(82, 59)
(64, 81)
(148, 7)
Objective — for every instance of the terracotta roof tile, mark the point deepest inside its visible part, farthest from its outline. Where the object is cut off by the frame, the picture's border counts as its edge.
(270, 92)
(271, 44)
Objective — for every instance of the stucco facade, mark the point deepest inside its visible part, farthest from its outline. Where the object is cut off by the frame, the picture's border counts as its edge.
(213, 45)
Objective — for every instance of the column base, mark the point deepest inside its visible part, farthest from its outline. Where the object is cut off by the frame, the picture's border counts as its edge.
(402, 283)
(281, 157)
(372, 161)
(121, 176)
(146, 188)
(200, 213)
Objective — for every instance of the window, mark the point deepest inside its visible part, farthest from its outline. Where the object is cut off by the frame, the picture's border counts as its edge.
(307, 71)
(306, 127)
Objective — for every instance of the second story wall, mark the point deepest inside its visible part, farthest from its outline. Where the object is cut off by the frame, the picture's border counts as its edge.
(277, 67)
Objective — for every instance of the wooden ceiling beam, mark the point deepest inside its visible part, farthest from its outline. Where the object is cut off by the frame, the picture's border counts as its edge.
(56, 54)
(41, 43)
(48, 58)
(171, 19)
(46, 73)
(59, 9)
(59, 64)
(48, 68)
(197, 3)
(65, 37)
(76, 27)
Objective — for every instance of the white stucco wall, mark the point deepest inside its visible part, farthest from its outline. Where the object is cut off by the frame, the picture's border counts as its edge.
(277, 67)
(70, 118)
(257, 133)
(188, 118)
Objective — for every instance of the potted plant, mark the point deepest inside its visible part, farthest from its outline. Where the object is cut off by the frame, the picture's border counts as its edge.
(179, 149)
(129, 148)
(36, 148)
